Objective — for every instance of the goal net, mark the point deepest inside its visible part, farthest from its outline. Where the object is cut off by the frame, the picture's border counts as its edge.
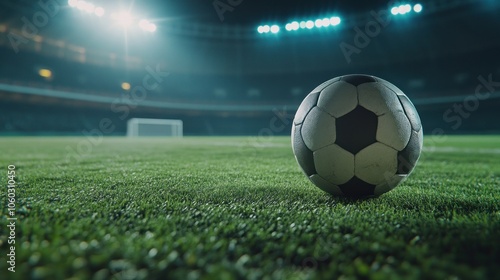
(154, 127)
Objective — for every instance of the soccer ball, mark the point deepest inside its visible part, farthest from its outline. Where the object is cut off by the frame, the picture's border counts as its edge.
(357, 136)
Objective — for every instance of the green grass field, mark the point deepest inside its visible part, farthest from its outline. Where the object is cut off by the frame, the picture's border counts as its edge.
(240, 208)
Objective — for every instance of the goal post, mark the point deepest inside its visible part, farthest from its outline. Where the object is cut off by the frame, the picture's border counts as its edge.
(137, 127)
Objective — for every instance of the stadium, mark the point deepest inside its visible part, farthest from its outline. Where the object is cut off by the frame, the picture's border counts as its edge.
(152, 139)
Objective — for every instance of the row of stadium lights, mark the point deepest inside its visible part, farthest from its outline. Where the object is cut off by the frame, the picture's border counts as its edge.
(124, 18)
(295, 25)
(330, 22)
(407, 8)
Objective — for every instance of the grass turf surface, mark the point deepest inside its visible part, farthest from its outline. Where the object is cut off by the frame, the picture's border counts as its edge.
(227, 208)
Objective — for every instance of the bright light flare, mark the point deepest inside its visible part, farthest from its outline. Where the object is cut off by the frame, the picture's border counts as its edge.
(123, 18)
(152, 27)
(99, 11)
(146, 25)
(81, 5)
(275, 29)
(89, 8)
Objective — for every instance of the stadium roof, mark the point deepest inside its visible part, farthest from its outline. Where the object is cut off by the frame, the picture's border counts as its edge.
(243, 12)
(253, 12)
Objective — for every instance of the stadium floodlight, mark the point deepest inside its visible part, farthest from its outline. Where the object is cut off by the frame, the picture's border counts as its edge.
(266, 28)
(310, 24)
(137, 127)
(325, 22)
(407, 8)
(401, 9)
(404, 9)
(86, 7)
(275, 29)
(318, 23)
(99, 11)
(417, 8)
(123, 18)
(334, 21)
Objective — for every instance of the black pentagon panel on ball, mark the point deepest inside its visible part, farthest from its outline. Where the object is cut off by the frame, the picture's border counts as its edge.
(357, 188)
(357, 129)
(304, 156)
(408, 157)
(411, 112)
(358, 79)
(307, 104)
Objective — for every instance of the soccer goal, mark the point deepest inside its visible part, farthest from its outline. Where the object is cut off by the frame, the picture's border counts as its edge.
(154, 127)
